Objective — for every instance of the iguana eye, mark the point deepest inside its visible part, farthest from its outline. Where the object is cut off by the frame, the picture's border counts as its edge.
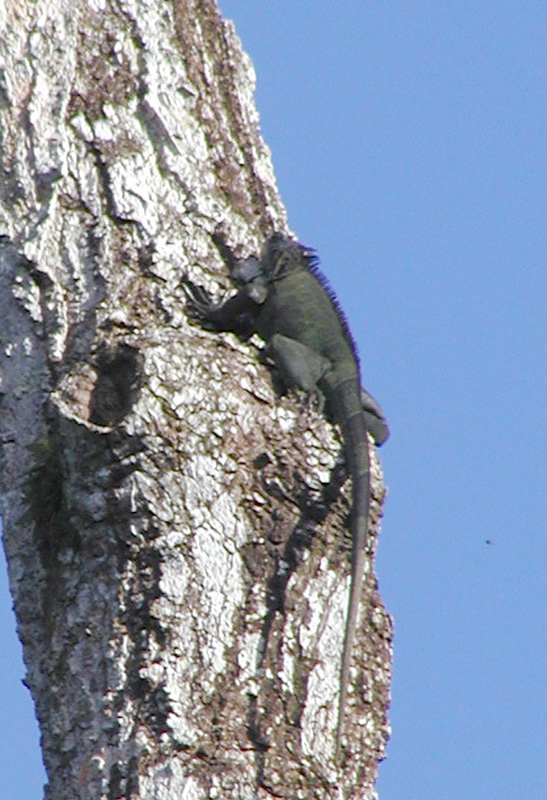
(280, 266)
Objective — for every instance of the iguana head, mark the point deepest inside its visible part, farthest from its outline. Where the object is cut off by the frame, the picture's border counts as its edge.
(281, 255)
(250, 274)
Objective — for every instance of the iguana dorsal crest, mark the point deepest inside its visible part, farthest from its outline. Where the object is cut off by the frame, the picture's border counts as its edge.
(282, 256)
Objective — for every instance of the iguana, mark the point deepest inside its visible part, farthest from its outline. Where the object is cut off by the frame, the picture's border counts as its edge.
(285, 299)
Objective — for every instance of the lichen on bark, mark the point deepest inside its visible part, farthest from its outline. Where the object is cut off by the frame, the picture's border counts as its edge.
(176, 532)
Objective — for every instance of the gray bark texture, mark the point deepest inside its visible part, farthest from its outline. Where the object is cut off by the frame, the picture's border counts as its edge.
(176, 532)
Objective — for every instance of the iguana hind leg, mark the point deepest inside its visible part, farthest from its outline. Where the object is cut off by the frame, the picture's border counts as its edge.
(300, 366)
(374, 418)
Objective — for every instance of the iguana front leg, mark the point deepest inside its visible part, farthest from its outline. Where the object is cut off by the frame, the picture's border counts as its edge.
(236, 313)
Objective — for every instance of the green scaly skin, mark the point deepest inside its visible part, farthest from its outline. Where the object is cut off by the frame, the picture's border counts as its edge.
(289, 304)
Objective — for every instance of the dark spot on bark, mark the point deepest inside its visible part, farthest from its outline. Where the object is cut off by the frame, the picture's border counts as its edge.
(118, 385)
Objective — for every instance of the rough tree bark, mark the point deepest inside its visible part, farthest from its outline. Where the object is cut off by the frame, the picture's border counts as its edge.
(175, 532)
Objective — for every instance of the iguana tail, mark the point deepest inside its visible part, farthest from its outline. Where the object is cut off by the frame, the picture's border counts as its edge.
(344, 399)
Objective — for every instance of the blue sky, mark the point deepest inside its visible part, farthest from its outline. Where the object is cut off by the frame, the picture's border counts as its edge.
(410, 145)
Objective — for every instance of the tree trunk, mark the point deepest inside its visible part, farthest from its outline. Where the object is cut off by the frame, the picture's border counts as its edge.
(175, 532)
